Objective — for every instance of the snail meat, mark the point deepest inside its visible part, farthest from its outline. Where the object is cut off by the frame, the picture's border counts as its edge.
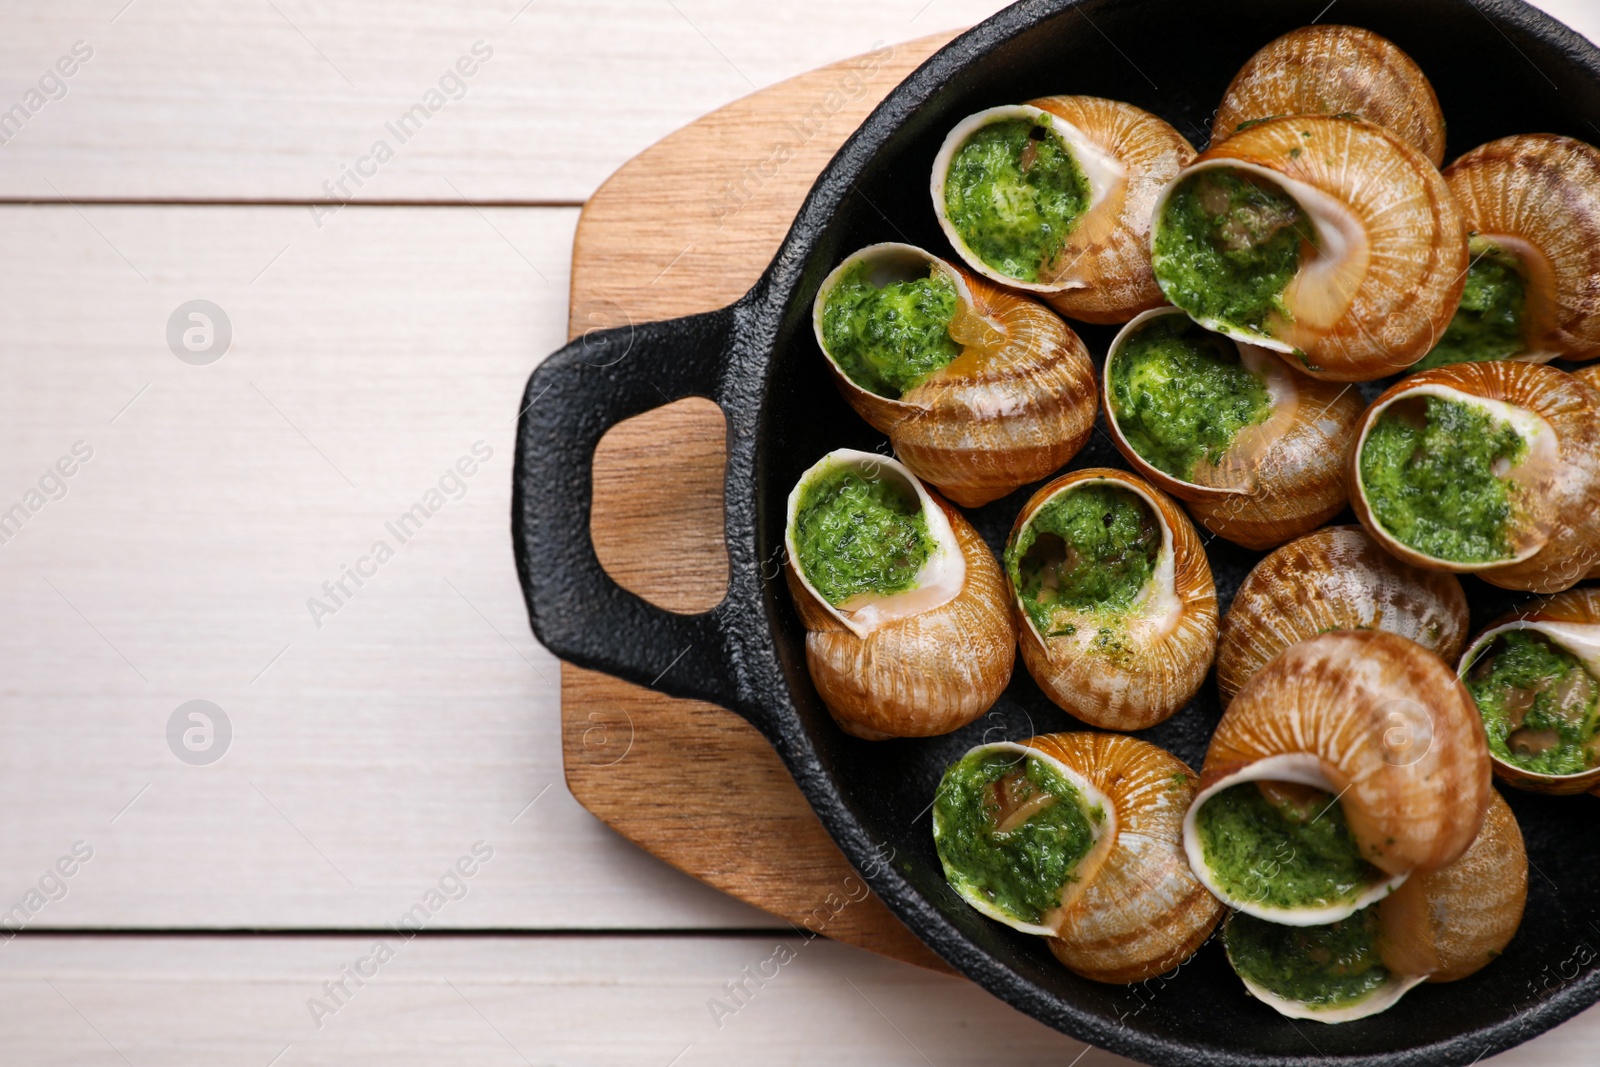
(1076, 837)
(1255, 449)
(1328, 240)
(980, 390)
(908, 629)
(1114, 598)
(1055, 197)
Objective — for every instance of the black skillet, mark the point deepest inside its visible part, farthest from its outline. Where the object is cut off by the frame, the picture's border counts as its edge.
(1500, 67)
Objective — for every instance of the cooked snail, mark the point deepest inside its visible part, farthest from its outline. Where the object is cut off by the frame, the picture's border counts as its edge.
(1335, 579)
(1440, 926)
(1350, 761)
(980, 390)
(1055, 197)
(908, 630)
(1329, 240)
(1485, 468)
(1535, 675)
(1336, 70)
(1533, 205)
(1254, 448)
(1075, 837)
(1114, 598)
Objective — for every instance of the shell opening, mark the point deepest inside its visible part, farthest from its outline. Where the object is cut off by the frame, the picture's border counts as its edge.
(1094, 566)
(1015, 200)
(1196, 406)
(1537, 685)
(891, 316)
(1270, 840)
(1020, 833)
(846, 541)
(1493, 319)
(1330, 973)
(1462, 480)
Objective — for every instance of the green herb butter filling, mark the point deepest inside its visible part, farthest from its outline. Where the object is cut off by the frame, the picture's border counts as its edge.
(1538, 703)
(1014, 192)
(1092, 549)
(892, 338)
(1011, 830)
(1289, 849)
(1180, 394)
(1434, 476)
(1322, 967)
(858, 535)
(1489, 323)
(1227, 245)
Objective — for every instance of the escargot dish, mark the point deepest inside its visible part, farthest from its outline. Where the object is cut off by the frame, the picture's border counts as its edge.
(1335, 579)
(1255, 449)
(908, 629)
(1076, 837)
(1329, 240)
(1336, 70)
(1535, 675)
(1440, 926)
(1487, 468)
(1114, 598)
(1533, 205)
(1055, 197)
(979, 389)
(1348, 762)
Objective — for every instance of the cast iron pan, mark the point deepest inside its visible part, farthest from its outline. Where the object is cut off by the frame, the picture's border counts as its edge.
(1500, 67)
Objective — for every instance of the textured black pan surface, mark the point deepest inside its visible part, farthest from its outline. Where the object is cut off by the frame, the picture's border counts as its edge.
(1500, 68)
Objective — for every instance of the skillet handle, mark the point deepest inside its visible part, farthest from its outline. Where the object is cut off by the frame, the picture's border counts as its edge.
(578, 612)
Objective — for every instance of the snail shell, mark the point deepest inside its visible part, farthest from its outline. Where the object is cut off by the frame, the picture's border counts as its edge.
(917, 663)
(1537, 196)
(1279, 478)
(1102, 272)
(1131, 909)
(1440, 926)
(1388, 275)
(1570, 620)
(1450, 923)
(1167, 638)
(1336, 70)
(1014, 407)
(1376, 720)
(1335, 579)
(1552, 532)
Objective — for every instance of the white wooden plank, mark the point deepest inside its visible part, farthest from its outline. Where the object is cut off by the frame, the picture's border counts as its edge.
(81, 1001)
(185, 99)
(371, 752)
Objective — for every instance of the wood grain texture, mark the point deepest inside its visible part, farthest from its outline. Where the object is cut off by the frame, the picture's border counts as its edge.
(688, 226)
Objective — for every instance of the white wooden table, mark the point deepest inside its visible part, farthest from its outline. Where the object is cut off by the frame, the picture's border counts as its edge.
(407, 730)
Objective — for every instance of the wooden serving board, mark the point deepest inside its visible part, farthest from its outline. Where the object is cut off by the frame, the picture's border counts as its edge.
(688, 226)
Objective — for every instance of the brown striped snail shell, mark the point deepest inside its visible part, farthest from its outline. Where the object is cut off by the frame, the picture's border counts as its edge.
(1337, 578)
(1391, 264)
(918, 663)
(1571, 621)
(1537, 196)
(1158, 650)
(1449, 923)
(1336, 70)
(1279, 478)
(1014, 407)
(1132, 909)
(1101, 274)
(1379, 722)
(1552, 530)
